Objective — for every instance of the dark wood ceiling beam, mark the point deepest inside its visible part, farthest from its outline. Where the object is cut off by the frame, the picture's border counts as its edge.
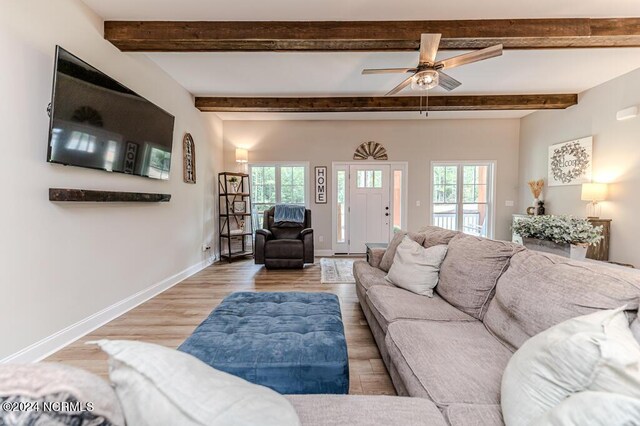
(208, 36)
(398, 103)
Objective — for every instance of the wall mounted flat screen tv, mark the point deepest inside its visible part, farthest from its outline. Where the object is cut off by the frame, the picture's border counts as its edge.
(98, 123)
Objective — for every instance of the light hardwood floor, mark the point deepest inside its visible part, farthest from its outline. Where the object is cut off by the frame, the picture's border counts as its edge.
(169, 318)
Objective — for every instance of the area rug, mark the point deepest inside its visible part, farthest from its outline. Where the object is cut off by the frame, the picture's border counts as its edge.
(336, 271)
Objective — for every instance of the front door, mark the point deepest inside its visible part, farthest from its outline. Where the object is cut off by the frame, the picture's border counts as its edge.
(369, 214)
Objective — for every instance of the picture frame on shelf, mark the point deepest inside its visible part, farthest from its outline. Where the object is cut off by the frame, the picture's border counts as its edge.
(239, 206)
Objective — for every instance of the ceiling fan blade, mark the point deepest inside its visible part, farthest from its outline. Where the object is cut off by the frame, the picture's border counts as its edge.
(388, 70)
(467, 58)
(447, 82)
(429, 48)
(400, 86)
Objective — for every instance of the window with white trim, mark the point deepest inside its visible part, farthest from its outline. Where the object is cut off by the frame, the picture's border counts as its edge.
(273, 184)
(462, 197)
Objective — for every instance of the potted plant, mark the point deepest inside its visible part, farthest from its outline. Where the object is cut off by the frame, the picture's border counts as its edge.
(564, 235)
(233, 180)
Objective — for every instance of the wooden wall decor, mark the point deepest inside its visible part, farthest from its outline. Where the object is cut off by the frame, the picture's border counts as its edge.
(189, 159)
(370, 149)
(87, 195)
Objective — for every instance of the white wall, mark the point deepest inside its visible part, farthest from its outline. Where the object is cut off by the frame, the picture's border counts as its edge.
(60, 263)
(616, 158)
(417, 141)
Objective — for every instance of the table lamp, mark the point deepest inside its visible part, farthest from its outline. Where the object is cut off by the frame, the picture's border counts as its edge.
(594, 192)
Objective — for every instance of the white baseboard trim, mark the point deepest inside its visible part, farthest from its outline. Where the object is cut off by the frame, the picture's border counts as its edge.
(325, 252)
(47, 346)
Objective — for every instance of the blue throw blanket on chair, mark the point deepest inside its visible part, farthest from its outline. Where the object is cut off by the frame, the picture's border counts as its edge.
(288, 213)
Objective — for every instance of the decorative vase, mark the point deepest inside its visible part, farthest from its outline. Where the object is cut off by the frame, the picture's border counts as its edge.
(234, 186)
(540, 208)
(535, 206)
(579, 251)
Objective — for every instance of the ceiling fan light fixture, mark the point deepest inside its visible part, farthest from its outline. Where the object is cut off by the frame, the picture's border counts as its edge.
(425, 80)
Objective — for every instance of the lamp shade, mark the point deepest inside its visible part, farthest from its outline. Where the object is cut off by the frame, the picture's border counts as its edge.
(594, 191)
(242, 155)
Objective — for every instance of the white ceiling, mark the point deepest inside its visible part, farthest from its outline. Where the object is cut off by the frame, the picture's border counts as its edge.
(339, 73)
(357, 10)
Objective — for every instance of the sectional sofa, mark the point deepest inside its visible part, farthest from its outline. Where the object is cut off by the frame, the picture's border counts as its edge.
(450, 350)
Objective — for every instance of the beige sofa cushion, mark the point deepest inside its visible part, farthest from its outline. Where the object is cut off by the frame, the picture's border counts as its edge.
(448, 362)
(540, 290)
(390, 254)
(435, 236)
(474, 415)
(367, 276)
(470, 271)
(390, 304)
(365, 410)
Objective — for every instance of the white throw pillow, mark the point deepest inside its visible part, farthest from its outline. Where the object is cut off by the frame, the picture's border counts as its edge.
(159, 386)
(593, 408)
(415, 268)
(594, 352)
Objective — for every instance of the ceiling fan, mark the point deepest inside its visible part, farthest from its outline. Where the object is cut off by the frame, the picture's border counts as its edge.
(428, 74)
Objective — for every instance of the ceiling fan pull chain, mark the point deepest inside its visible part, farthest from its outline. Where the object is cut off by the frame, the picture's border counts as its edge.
(426, 113)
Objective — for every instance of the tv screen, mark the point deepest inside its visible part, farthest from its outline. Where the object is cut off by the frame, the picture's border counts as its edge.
(98, 123)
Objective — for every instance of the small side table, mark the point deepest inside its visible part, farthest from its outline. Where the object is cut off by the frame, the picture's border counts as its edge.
(371, 246)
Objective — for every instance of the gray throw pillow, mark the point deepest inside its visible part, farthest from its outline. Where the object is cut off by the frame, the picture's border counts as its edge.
(387, 258)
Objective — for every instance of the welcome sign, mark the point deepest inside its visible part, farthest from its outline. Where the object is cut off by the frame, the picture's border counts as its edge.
(570, 163)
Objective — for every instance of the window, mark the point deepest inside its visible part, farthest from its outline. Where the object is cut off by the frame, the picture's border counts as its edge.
(273, 184)
(341, 198)
(463, 197)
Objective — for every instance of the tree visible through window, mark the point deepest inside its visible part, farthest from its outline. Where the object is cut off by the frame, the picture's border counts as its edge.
(463, 197)
(275, 184)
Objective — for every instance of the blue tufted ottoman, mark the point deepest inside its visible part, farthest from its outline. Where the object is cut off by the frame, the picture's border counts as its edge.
(290, 342)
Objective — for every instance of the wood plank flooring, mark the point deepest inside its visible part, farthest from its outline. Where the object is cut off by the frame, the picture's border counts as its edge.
(169, 318)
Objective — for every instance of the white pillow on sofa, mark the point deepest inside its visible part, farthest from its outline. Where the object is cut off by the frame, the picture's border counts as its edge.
(159, 386)
(415, 268)
(594, 352)
(593, 408)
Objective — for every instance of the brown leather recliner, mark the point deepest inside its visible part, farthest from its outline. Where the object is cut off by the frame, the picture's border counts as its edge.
(288, 245)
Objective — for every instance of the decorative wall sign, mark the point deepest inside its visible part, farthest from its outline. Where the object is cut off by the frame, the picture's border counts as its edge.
(370, 149)
(321, 185)
(239, 206)
(130, 157)
(570, 163)
(189, 159)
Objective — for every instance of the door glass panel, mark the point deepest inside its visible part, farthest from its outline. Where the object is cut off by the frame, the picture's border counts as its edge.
(369, 179)
(341, 189)
(397, 201)
(475, 217)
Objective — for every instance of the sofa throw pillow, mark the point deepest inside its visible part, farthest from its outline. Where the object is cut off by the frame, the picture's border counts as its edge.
(471, 270)
(434, 236)
(635, 328)
(593, 408)
(390, 254)
(594, 352)
(85, 399)
(161, 386)
(415, 268)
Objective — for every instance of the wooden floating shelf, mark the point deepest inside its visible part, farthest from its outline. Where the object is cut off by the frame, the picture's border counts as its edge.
(87, 195)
